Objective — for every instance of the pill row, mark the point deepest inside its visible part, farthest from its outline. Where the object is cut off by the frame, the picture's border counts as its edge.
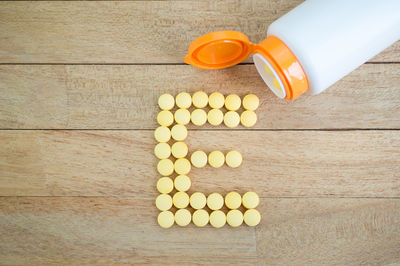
(199, 117)
(200, 99)
(214, 201)
(201, 218)
(198, 158)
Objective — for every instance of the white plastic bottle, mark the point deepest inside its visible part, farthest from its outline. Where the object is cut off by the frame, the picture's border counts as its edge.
(311, 47)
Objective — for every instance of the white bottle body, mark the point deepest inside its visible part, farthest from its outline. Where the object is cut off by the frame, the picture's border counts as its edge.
(332, 38)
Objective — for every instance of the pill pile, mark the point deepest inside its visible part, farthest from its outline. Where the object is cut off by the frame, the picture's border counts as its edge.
(174, 159)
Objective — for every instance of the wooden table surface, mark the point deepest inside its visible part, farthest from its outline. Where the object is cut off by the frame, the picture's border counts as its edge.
(79, 83)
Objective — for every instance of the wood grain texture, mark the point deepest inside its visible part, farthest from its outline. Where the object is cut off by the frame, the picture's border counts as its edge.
(276, 164)
(130, 32)
(329, 232)
(125, 97)
(65, 230)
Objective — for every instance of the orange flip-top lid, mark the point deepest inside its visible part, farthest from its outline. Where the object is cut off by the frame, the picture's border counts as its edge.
(223, 49)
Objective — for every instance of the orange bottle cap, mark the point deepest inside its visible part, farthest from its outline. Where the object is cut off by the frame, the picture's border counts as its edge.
(223, 49)
(219, 49)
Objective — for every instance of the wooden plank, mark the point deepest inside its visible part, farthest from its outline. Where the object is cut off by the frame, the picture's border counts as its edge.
(64, 230)
(125, 97)
(130, 32)
(105, 231)
(329, 232)
(276, 164)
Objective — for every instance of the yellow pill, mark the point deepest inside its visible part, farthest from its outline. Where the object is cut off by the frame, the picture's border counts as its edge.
(231, 119)
(198, 117)
(200, 218)
(183, 217)
(250, 200)
(232, 102)
(200, 99)
(182, 116)
(165, 185)
(179, 132)
(162, 134)
(233, 200)
(198, 200)
(198, 159)
(215, 201)
(180, 200)
(276, 84)
(215, 117)
(179, 149)
(252, 217)
(182, 166)
(166, 101)
(216, 100)
(233, 159)
(165, 118)
(162, 150)
(183, 100)
(166, 219)
(234, 218)
(248, 118)
(165, 167)
(250, 102)
(216, 159)
(268, 70)
(182, 183)
(217, 219)
(164, 202)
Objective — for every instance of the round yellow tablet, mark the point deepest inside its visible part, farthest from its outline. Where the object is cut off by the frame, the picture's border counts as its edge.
(182, 116)
(215, 117)
(215, 201)
(164, 202)
(216, 159)
(179, 149)
(166, 219)
(234, 218)
(248, 118)
(198, 117)
(233, 200)
(233, 159)
(200, 99)
(216, 100)
(200, 218)
(217, 219)
(165, 167)
(183, 217)
(232, 102)
(276, 84)
(198, 200)
(250, 200)
(180, 200)
(162, 134)
(166, 101)
(165, 118)
(162, 150)
(183, 100)
(250, 102)
(182, 183)
(165, 185)
(182, 166)
(198, 159)
(231, 119)
(179, 132)
(252, 217)
(268, 70)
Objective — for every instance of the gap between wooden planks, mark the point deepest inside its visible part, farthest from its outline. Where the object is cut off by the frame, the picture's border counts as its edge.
(125, 97)
(275, 164)
(97, 230)
(130, 32)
